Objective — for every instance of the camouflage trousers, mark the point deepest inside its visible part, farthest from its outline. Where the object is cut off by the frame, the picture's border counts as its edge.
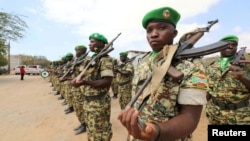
(124, 94)
(78, 104)
(68, 95)
(97, 116)
(58, 86)
(114, 86)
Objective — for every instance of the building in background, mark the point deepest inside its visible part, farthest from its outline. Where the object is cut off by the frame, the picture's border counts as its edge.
(136, 55)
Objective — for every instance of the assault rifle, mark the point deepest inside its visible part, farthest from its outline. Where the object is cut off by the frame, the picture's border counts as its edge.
(108, 48)
(188, 40)
(133, 58)
(76, 63)
(128, 60)
(239, 56)
(184, 50)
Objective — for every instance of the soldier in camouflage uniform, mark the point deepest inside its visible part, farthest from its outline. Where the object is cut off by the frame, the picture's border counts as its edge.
(125, 73)
(76, 91)
(173, 108)
(67, 85)
(52, 75)
(58, 72)
(97, 103)
(229, 88)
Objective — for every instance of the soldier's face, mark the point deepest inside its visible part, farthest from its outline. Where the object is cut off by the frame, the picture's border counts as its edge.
(160, 34)
(230, 51)
(92, 44)
(95, 45)
(80, 52)
(123, 58)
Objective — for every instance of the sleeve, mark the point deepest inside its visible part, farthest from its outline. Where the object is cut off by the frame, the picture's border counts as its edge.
(106, 67)
(194, 87)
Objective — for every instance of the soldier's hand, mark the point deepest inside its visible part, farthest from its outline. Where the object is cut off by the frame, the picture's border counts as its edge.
(61, 79)
(73, 83)
(129, 119)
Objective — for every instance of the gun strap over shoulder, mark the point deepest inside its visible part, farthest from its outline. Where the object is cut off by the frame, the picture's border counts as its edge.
(160, 68)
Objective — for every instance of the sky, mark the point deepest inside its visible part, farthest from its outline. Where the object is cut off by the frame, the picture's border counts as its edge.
(57, 26)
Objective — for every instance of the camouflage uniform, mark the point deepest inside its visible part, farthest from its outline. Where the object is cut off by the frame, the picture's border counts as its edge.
(52, 76)
(97, 103)
(114, 85)
(60, 86)
(164, 103)
(68, 87)
(226, 92)
(125, 84)
(78, 98)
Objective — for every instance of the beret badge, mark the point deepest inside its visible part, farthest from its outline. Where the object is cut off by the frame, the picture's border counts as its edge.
(166, 14)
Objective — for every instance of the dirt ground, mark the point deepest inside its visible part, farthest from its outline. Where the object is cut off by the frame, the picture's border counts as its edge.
(31, 112)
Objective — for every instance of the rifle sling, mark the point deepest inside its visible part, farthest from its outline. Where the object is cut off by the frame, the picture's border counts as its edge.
(159, 72)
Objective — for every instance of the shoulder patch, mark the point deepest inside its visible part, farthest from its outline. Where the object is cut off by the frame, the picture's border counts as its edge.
(199, 81)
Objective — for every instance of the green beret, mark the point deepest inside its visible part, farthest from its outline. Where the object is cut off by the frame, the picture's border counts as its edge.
(124, 54)
(69, 55)
(230, 38)
(98, 36)
(79, 47)
(163, 14)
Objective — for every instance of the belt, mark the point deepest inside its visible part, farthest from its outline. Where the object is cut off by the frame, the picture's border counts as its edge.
(231, 106)
(95, 97)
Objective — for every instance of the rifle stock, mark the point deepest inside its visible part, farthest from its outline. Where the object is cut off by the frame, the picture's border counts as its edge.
(107, 48)
(175, 74)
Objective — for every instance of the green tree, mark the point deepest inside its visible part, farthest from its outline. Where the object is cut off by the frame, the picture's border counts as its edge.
(3, 52)
(2, 48)
(3, 60)
(12, 27)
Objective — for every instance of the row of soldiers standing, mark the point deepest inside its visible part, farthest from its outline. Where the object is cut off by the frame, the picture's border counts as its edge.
(71, 95)
(63, 74)
(168, 109)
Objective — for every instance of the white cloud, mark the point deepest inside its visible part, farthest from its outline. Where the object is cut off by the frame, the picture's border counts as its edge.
(237, 29)
(113, 13)
(244, 40)
(112, 16)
